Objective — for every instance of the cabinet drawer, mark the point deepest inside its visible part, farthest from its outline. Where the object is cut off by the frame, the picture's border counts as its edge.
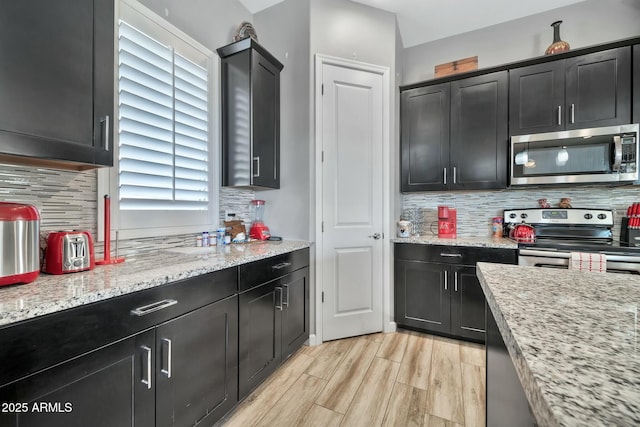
(462, 255)
(265, 270)
(38, 343)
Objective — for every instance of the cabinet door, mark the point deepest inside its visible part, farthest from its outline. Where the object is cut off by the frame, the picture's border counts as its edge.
(425, 138)
(636, 84)
(49, 81)
(265, 93)
(479, 135)
(295, 314)
(112, 386)
(196, 365)
(536, 98)
(260, 336)
(422, 296)
(103, 93)
(467, 305)
(598, 89)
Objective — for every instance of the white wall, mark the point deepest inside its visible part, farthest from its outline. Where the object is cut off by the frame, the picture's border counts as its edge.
(284, 31)
(350, 30)
(584, 24)
(212, 23)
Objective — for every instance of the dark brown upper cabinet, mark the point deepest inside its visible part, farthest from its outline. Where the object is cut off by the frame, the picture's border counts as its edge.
(57, 81)
(591, 90)
(424, 117)
(454, 135)
(250, 116)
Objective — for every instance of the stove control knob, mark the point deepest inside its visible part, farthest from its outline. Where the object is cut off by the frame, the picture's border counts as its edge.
(512, 215)
(523, 215)
(602, 216)
(588, 216)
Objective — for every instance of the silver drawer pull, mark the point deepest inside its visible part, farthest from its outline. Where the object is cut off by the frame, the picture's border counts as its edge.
(286, 303)
(146, 379)
(150, 308)
(167, 342)
(452, 255)
(281, 265)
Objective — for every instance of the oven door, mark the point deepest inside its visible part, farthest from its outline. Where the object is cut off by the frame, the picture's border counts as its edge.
(578, 156)
(616, 263)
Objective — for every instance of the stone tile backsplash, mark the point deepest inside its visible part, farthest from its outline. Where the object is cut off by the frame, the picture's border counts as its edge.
(67, 200)
(475, 209)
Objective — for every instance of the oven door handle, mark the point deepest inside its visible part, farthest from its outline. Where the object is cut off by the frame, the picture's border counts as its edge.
(567, 255)
(545, 254)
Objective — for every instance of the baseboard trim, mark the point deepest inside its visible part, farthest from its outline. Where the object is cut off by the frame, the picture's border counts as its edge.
(313, 340)
(391, 327)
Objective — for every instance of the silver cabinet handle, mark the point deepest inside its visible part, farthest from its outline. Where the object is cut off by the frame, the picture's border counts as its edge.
(444, 175)
(280, 266)
(256, 160)
(559, 114)
(451, 255)
(446, 281)
(454, 174)
(150, 308)
(146, 379)
(286, 302)
(573, 113)
(105, 124)
(167, 371)
(375, 236)
(455, 281)
(279, 307)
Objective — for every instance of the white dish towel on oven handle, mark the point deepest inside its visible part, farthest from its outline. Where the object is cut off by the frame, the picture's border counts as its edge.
(587, 261)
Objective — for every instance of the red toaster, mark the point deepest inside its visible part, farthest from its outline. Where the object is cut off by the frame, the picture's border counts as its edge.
(68, 252)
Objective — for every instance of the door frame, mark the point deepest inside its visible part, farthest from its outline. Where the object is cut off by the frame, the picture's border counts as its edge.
(388, 324)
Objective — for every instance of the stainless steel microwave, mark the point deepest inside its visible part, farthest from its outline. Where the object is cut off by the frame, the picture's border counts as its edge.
(607, 154)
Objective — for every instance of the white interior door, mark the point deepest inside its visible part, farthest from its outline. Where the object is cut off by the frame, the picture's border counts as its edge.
(352, 196)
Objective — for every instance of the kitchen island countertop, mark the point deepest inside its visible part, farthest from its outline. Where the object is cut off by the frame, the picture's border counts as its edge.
(52, 293)
(484, 242)
(574, 339)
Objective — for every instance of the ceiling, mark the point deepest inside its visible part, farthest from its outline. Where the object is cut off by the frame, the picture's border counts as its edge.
(421, 21)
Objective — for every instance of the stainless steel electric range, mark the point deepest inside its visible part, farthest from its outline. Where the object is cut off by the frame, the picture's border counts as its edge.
(559, 232)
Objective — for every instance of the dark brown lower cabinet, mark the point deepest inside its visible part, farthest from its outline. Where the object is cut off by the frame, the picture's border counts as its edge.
(437, 291)
(196, 360)
(179, 374)
(101, 389)
(274, 322)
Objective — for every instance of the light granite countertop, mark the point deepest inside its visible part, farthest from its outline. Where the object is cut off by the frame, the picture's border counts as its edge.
(484, 242)
(51, 293)
(574, 338)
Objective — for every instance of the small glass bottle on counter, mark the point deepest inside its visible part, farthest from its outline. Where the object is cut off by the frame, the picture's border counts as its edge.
(497, 226)
(205, 239)
(220, 235)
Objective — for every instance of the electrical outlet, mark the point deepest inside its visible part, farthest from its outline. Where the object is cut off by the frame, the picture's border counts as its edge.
(229, 215)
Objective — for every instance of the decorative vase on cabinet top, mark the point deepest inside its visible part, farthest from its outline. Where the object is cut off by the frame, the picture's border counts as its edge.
(558, 45)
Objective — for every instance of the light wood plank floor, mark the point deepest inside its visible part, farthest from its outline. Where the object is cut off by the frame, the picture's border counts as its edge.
(398, 379)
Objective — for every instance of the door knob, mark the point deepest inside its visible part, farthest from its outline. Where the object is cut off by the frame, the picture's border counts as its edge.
(376, 236)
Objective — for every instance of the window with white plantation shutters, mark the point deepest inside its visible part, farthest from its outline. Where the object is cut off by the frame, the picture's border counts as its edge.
(163, 126)
(164, 180)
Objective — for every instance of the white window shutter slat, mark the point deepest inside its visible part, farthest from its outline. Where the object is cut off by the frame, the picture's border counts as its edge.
(164, 129)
